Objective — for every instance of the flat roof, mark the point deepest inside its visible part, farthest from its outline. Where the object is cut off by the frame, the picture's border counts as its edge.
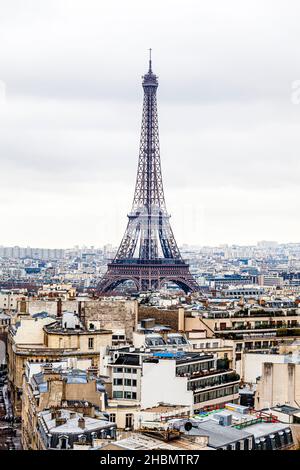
(71, 426)
(219, 436)
(264, 429)
(164, 408)
(286, 409)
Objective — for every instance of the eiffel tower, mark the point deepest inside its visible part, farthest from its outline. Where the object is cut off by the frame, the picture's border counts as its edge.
(148, 254)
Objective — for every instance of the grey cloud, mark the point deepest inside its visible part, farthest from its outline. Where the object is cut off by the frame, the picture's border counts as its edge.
(69, 130)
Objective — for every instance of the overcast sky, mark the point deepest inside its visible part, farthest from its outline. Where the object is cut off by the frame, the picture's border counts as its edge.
(70, 112)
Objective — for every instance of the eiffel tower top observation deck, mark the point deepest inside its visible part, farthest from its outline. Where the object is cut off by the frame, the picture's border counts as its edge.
(148, 253)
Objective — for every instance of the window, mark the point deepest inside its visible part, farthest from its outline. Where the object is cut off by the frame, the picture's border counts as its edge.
(112, 417)
(127, 371)
(91, 343)
(118, 382)
(63, 442)
(128, 420)
(82, 438)
(127, 395)
(127, 382)
(117, 394)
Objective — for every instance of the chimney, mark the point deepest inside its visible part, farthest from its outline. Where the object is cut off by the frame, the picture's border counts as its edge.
(80, 310)
(59, 307)
(59, 420)
(181, 322)
(81, 423)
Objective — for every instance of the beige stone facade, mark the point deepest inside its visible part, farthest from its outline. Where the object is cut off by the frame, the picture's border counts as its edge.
(279, 384)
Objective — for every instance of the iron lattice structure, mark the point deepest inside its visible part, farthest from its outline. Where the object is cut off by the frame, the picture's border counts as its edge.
(148, 254)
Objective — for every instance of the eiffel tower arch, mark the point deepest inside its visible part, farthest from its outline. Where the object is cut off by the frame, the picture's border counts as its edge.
(148, 254)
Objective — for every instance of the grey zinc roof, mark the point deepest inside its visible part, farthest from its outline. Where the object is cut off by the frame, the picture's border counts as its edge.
(263, 429)
(219, 436)
(71, 425)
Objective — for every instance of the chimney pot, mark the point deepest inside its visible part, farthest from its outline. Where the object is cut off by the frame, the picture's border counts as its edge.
(81, 423)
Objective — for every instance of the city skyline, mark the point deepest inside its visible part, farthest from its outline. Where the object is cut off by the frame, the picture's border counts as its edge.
(182, 246)
(70, 120)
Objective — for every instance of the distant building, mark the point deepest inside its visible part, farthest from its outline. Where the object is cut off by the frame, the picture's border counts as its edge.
(270, 280)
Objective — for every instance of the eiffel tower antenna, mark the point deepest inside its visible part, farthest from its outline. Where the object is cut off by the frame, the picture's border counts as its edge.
(150, 60)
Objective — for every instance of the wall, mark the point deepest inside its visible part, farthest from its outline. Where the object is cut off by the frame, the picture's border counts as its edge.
(9, 301)
(165, 317)
(280, 384)
(79, 341)
(50, 306)
(159, 384)
(197, 323)
(2, 352)
(31, 330)
(112, 315)
(251, 365)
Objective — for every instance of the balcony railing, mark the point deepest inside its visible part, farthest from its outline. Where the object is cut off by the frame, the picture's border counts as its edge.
(224, 379)
(266, 326)
(252, 314)
(202, 373)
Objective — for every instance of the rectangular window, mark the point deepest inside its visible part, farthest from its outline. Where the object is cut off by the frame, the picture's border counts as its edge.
(127, 371)
(127, 382)
(117, 394)
(118, 381)
(91, 343)
(112, 417)
(128, 420)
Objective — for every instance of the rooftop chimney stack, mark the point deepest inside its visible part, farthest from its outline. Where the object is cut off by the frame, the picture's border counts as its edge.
(81, 423)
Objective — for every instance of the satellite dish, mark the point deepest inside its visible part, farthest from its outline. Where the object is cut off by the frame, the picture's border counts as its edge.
(188, 426)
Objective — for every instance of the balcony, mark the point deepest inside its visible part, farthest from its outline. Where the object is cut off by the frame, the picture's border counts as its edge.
(266, 326)
(222, 379)
(204, 373)
(252, 314)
